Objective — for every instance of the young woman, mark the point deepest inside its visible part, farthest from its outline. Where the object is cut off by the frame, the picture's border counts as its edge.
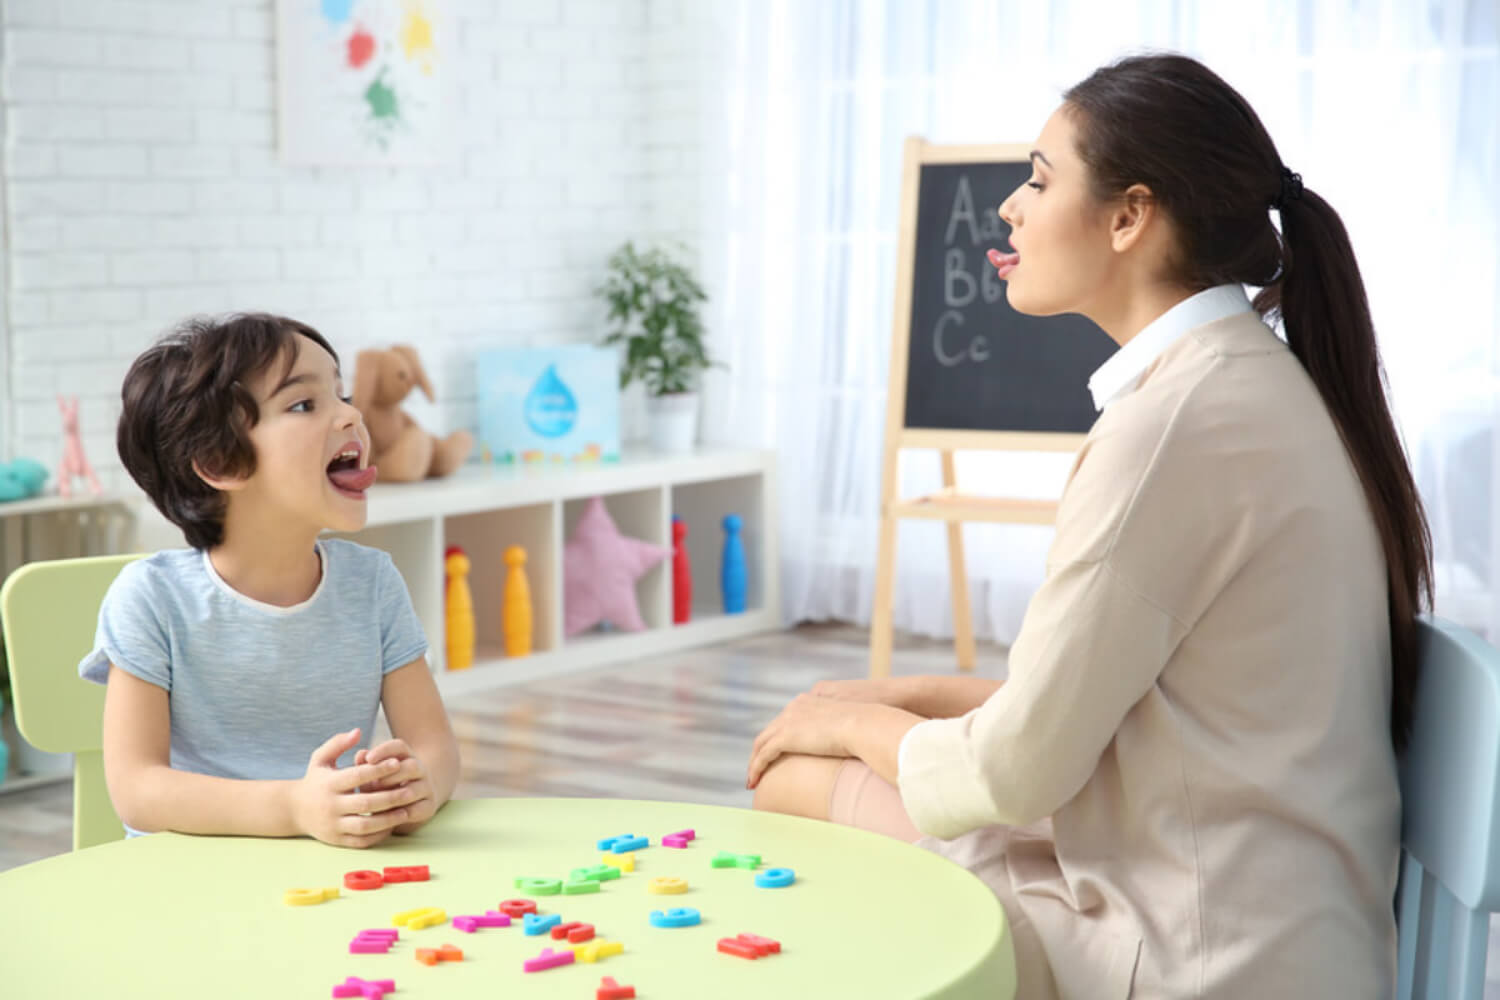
(1187, 786)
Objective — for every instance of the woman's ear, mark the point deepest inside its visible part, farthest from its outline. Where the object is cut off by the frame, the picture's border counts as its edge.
(1132, 217)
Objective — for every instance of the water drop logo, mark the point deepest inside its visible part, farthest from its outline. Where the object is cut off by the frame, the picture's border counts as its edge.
(551, 410)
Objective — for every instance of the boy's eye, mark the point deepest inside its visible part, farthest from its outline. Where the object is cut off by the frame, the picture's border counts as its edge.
(301, 406)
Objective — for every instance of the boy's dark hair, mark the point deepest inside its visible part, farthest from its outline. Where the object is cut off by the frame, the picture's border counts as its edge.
(187, 400)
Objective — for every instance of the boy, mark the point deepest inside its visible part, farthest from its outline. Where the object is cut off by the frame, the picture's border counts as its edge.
(240, 670)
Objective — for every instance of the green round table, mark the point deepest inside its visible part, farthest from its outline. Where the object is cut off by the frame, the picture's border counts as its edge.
(179, 916)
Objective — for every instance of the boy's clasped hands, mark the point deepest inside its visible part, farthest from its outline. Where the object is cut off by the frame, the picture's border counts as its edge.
(386, 790)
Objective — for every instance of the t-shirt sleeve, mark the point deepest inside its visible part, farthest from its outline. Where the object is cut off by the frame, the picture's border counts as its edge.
(130, 634)
(401, 637)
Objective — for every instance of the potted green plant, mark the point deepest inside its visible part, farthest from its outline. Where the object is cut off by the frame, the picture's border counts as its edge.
(654, 308)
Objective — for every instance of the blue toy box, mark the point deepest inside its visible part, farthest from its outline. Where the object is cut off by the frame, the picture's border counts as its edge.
(549, 404)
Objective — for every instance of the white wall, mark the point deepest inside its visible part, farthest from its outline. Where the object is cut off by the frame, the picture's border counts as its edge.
(142, 184)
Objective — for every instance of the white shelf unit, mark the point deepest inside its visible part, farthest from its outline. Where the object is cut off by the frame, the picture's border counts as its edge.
(485, 509)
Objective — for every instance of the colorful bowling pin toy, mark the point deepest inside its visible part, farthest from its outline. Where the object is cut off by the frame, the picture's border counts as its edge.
(515, 610)
(459, 607)
(682, 574)
(732, 567)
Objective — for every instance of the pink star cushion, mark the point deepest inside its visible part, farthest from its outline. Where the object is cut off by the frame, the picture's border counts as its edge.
(600, 568)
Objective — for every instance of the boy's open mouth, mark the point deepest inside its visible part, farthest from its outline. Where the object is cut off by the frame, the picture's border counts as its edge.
(347, 476)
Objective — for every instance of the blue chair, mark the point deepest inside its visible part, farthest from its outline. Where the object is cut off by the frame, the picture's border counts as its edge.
(1450, 792)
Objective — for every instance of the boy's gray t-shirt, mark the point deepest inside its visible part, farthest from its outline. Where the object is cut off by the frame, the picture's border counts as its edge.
(255, 688)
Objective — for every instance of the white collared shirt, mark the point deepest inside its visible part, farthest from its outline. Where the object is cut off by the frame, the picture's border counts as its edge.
(1122, 372)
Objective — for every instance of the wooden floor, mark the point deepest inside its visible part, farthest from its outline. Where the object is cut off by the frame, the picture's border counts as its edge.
(678, 728)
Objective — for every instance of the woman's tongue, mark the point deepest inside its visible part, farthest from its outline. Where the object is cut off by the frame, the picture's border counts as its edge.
(353, 480)
(1003, 263)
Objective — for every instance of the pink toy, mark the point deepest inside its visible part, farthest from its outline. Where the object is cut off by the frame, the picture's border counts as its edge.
(377, 941)
(490, 918)
(682, 574)
(74, 461)
(679, 839)
(548, 959)
(371, 989)
(600, 568)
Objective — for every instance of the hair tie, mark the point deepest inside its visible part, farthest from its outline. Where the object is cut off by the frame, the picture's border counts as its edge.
(1291, 189)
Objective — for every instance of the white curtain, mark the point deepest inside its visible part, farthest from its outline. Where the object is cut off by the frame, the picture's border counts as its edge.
(1389, 109)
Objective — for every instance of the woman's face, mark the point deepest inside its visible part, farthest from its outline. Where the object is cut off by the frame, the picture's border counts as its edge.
(1060, 232)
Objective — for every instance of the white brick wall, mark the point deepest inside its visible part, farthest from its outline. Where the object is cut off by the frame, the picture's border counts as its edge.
(142, 184)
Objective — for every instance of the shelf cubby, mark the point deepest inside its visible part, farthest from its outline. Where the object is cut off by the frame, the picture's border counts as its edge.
(485, 509)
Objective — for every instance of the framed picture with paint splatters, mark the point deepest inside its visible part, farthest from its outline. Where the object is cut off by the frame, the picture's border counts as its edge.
(363, 82)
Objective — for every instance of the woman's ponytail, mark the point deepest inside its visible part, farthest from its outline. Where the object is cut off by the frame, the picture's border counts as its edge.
(1323, 307)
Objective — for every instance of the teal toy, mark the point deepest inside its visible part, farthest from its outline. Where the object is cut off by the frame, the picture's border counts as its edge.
(21, 478)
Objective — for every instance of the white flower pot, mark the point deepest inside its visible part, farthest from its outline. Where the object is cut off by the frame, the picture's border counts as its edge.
(673, 422)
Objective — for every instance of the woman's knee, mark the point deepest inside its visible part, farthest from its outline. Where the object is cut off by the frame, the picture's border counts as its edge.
(798, 784)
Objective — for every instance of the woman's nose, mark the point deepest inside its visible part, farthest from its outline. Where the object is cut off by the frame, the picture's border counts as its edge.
(1005, 210)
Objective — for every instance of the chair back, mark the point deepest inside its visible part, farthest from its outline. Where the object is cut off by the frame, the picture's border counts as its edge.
(50, 612)
(1450, 791)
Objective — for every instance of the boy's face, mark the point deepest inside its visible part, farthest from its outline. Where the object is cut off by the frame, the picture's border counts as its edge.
(311, 449)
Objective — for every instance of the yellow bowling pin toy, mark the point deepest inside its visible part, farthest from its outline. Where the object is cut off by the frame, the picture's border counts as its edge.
(459, 604)
(515, 610)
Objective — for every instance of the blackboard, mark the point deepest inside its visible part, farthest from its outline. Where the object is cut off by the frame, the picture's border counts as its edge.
(973, 362)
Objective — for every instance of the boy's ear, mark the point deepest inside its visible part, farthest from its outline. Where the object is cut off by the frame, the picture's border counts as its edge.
(224, 484)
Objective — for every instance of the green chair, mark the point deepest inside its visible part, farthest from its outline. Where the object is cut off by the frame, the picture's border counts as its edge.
(50, 611)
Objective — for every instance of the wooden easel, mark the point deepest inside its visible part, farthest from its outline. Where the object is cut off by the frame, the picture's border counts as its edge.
(948, 504)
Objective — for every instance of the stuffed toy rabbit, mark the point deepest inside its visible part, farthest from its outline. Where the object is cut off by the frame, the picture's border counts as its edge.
(404, 452)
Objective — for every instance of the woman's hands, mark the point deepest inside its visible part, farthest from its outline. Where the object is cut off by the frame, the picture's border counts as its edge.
(827, 726)
(893, 691)
(362, 805)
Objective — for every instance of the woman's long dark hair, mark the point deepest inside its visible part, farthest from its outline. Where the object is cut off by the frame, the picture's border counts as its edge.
(1171, 124)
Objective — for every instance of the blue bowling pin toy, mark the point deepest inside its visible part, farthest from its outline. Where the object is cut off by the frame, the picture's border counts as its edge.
(732, 568)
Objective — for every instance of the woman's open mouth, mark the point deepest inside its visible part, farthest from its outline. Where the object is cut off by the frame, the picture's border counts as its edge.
(1004, 263)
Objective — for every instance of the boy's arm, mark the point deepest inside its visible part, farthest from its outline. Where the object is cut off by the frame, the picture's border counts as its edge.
(148, 795)
(418, 719)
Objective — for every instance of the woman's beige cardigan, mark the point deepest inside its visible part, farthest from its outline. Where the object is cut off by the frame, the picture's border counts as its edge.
(1186, 788)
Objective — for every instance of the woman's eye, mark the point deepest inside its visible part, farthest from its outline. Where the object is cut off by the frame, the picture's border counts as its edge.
(348, 400)
(1034, 184)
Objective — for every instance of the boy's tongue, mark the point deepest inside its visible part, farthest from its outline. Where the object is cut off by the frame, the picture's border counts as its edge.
(354, 480)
